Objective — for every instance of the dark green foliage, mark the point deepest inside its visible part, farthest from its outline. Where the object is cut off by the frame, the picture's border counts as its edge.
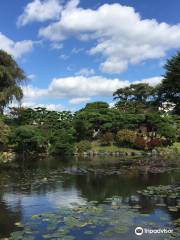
(90, 121)
(83, 128)
(10, 78)
(56, 127)
(62, 142)
(169, 90)
(28, 139)
(164, 125)
(96, 106)
(136, 98)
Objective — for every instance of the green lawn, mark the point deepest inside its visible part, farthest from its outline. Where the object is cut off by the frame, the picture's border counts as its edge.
(97, 147)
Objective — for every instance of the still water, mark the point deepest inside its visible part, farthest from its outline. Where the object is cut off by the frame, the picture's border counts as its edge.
(49, 185)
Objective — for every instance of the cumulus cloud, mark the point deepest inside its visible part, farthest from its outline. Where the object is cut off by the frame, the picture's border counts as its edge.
(151, 81)
(31, 92)
(120, 35)
(86, 72)
(81, 86)
(16, 49)
(80, 89)
(40, 11)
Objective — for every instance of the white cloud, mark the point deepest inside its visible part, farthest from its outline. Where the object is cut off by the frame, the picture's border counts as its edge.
(64, 56)
(77, 50)
(57, 46)
(31, 76)
(40, 11)
(16, 49)
(121, 36)
(29, 104)
(151, 81)
(76, 90)
(76, 101)
(31, 92)
(80, 89)
(86, 72)
(81, 86)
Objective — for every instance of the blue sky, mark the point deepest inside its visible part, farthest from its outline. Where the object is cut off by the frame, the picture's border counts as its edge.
(74, 52)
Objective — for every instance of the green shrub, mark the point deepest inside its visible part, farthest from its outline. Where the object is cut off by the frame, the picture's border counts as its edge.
(62, 142)
(83, 146)
(62, 148)
(126, 138)
(28, 139)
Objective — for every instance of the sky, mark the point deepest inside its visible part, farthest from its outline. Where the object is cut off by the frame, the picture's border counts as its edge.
(78, 51)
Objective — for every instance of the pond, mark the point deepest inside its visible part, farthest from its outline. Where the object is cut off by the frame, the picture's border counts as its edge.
(70, 199)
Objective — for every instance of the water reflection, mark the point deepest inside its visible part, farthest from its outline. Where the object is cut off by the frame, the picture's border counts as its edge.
(8, 216)
(43, 186)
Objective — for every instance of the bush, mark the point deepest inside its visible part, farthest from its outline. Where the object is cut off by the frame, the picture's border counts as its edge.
(62, 148)
(83, 146)
(107, 139)
(126, 138)
(148, 144)
(153, 143)
(169, 132)
(62, 142)
(28, 139)
(140, 143)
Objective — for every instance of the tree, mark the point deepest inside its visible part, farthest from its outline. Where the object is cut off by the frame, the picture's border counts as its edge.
(169, 90)
(165, 126)
(136, 97)
(62, 142)
(22, 116)
(90, 119)
(11, 75)
(96, 106)
(28, 139)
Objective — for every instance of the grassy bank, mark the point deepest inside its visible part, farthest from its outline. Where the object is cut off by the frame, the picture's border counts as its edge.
(96, 146)
(174, 149)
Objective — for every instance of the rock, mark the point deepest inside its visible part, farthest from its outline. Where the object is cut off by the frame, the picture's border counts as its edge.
(173, 209)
